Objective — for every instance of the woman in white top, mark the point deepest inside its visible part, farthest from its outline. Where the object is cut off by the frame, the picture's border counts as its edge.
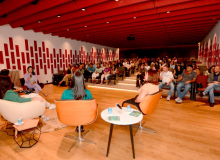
(150, 87)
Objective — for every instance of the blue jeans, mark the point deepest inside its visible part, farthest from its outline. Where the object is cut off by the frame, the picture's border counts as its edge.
(211, 89)
(171, 86)
(181, 85)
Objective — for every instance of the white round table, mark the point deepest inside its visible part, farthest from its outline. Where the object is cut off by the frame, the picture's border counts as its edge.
(125, 119)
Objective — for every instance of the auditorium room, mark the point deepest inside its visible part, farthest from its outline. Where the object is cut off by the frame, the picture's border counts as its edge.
(110, 79)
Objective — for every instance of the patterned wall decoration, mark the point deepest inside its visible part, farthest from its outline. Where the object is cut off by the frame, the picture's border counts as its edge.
(41, 57)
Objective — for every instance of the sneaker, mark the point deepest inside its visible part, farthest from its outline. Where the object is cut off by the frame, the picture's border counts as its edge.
(46, 119)
(52, 106)
(168, 98)
(177, 99)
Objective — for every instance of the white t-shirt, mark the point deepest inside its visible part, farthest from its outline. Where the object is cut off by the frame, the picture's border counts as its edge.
(166, 76)
(147, 67)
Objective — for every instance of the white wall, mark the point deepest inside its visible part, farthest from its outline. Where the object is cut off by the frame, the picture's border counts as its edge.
(19, 35)
(209, 52)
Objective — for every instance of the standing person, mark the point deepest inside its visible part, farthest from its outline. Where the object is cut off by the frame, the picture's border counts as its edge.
(77, 90)
(186, 78)
(167, 80)
(213, 84)
(31, 81)
(98, 71)
(67, 77)
(106, 74)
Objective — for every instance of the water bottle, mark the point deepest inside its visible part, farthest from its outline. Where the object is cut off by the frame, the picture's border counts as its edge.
(128, 108)
(109, 110)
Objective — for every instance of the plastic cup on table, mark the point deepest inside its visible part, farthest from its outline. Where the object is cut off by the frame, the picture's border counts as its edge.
(128, 108)
(109, 110)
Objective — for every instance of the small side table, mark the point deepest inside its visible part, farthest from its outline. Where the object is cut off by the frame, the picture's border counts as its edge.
(26, 132)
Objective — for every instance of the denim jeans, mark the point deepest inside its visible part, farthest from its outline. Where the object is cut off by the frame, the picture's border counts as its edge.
(211, 89)
(171, 86)
(181, 85)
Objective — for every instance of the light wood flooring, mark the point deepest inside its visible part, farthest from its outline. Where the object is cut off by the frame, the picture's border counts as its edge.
(189, 131)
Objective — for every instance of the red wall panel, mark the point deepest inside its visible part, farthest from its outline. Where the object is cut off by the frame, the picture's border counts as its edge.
(32, 63)
(36, 57)
(40, 52)
(37, 70)
(17, 51)
(47, 51)
(48, 63)
(51, 58)
(23, 57)
(8, 63)
(35, 45)
(44, 57)
(55, 64)
(11, 43)
(26, 45)
(58, 67)
(51, 68)
(58, 58)
(6, 49)
(32, 51)
(61, 63)
(64, 68)
(63, 58)
(68, 58)
(1, 58)
(54, 53)
(66, 63)
(24, 69)
(28, 57)
(12, 57)
(45, 69)
(13, 67)
(65, 53)
(60, 53)
(41, 64)
(19, 64)
(43, 46)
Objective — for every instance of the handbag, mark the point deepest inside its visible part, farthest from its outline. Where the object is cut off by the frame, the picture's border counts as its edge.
(199, 85)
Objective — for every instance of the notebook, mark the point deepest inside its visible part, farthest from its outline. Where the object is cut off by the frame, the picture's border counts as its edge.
(135, 113)
(114, 118)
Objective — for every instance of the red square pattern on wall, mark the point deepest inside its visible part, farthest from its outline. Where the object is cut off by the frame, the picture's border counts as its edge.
(1, 58)
(11, 43)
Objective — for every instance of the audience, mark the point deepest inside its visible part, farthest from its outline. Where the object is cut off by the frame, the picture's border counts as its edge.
(213, 84)
(186, 78)
(31, 81)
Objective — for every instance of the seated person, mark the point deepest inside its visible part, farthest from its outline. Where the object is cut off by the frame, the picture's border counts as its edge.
(114, 70)
(167, 80)
(67, 77)
(98, 71)
(81, 69)
(31, 81)
(10, 95)
(77, 90)
(186, 79)
(210, 70)
(177, 71)
(195, 68)
(89, 71)
(213, 84)
(140, 74)
(106, 74)
(6, 72)
(150, 87)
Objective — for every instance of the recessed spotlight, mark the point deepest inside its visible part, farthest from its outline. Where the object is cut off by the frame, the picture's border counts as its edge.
(83, 9)
(39, 21)
(116, 0)
(135, 17)
(168, 11)
(67, 29)
(107, 22)
(85, 26)
(58, 16)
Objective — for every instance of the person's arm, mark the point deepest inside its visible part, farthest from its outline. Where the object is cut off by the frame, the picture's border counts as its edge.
(161, 75)
(14, 97)
(198, 72)
(210, 79)
(178, 79)
(27, 77)
(141, 96)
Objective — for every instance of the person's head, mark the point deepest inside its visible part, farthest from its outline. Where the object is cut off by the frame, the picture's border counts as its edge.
(78, 85)
(194, 65)
(69, 66)
(90, 65)
(217, 69)
(5, 72)
(212, 69)
(30, 70)
(165, 68)
(189, 68)
(98, 65)
(106, 66)
(146, 64)
(76, 66)
(151, 77)
(5, 84)
(178, 67)
(179, 63)
(81, 67)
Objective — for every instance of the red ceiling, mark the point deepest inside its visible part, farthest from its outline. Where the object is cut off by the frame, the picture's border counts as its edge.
(110, 23)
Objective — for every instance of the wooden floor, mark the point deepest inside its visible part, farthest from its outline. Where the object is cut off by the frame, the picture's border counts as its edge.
(189, 131)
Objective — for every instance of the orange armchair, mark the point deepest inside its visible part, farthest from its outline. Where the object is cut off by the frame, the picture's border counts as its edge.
(77, 113)
(147, 106)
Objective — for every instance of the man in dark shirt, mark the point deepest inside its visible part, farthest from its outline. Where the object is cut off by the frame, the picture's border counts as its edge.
(186, 78)
(213, 84)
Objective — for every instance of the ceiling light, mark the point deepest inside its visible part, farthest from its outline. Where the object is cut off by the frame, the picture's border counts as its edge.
(58, 16)
(168, 11)
(116, 0)
(135, 17)
(39, 21)
(67, 29)
(83, 9)
(85, 26)
(107, 22)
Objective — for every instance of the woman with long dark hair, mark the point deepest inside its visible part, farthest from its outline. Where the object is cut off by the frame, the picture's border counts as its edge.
(77, 90)
(31, 81)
